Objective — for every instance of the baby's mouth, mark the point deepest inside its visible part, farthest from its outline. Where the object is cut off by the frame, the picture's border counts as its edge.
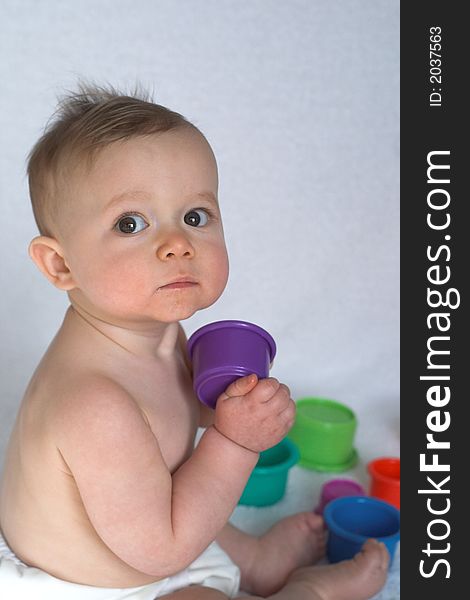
(179, 284)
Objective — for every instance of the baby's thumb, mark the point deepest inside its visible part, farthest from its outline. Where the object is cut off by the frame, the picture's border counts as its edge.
(241, 386)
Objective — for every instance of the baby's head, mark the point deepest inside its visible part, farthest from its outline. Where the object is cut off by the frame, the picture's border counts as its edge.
(124, 193)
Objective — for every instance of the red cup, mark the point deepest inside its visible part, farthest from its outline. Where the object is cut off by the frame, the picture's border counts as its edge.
(385, 479)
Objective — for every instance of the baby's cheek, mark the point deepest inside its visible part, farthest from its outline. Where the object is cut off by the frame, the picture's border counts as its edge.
(221, 272)
(122, 284)
(218, 271)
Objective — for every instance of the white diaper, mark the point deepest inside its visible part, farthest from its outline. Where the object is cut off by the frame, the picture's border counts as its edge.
(213, 568)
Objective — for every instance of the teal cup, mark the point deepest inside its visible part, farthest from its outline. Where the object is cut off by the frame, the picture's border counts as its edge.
(267, 482)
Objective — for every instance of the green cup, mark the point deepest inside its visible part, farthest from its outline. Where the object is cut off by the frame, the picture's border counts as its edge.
(267, 482)
(324, 433)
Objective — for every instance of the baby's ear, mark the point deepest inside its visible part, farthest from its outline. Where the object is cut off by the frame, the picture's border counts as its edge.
(47, 253)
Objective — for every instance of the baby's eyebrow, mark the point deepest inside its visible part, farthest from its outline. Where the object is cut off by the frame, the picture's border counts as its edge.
(210, 196)
(141, 194)
(126, 195)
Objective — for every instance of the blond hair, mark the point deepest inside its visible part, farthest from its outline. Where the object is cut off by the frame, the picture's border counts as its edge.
(84, 123)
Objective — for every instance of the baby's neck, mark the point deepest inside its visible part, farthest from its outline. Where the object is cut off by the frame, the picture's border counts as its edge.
(156, 341)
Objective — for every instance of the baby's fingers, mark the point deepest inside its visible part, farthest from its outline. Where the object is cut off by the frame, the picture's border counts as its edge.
(280, 400)
(288, 414)
(240, 387)
(265, 390)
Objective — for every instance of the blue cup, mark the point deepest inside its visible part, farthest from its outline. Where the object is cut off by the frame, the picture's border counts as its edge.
(351, 520)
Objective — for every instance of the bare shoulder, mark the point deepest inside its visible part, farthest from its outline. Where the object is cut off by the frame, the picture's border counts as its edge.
(99, 409)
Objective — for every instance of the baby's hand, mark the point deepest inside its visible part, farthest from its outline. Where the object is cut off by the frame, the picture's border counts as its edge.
(255, 414)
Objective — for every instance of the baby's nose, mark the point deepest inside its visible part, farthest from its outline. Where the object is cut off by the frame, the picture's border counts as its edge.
(175, 245)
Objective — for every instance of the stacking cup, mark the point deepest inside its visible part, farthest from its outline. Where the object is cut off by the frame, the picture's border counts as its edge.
(324, 432)
(354, 519)
(224, 351)
(267, 482)
(385, 479)
(337, 488)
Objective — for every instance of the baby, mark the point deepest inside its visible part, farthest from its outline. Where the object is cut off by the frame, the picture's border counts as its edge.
(103, 494)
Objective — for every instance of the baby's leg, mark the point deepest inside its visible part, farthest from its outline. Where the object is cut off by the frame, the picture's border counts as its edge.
(357, 579)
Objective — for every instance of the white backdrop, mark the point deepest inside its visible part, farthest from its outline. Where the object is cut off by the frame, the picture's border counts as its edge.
(300, 101)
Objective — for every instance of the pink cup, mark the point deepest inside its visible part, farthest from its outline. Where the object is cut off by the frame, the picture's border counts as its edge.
(336, 488)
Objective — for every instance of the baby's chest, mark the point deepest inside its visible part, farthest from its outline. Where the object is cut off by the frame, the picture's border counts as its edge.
(173, 412)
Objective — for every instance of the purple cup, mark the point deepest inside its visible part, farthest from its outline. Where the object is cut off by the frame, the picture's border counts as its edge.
(224, 351)
(337, 488)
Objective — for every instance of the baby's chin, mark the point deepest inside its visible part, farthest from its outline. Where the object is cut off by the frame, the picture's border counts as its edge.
(182, 310)
(182, 313)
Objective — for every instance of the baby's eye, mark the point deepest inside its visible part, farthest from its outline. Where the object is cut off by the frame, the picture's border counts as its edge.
(131, 224)
(197, 217)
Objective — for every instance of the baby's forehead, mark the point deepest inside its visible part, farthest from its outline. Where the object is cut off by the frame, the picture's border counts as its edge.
(179, 158)
(174, 144)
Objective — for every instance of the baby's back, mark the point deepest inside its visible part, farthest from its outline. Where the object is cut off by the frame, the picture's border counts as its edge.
(41, 509)
(42, 515)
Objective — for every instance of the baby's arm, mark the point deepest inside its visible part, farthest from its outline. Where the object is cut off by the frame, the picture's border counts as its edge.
(250, 416)
(156, 523)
